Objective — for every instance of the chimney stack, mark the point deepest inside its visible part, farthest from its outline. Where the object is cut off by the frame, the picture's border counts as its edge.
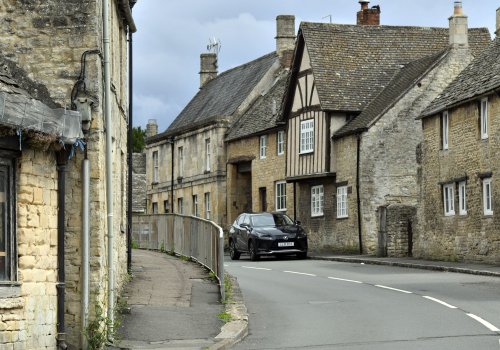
(367, 16)
(459, 28)
(151, 128)
(498, 22)
(208, 67)
(285, 39)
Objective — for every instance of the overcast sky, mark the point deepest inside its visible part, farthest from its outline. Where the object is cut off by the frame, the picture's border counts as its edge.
(171, 35)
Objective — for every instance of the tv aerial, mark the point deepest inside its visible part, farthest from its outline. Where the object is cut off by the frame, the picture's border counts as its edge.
(214, 45)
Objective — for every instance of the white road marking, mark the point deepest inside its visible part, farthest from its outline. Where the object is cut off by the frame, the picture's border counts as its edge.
(342, 279)
(256, 268)
(301, 273)
(394, 289)
(440, 302)
(484, 323)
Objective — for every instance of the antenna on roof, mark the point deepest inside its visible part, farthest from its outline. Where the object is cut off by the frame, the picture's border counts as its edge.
(328, 16)
(214, 45)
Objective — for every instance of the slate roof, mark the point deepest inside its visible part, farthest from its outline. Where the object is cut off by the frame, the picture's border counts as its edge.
(481, 76)
(259, 117)
(405, 77)
(352, 63)
(220, 97)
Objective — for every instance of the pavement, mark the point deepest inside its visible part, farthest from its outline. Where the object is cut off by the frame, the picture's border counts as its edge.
(174, 304)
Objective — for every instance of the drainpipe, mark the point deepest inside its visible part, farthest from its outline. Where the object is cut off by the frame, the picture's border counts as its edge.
(85, 246)
(294, 201)
(108, 161)
(62, 161)
(129, 148)
(358, 199)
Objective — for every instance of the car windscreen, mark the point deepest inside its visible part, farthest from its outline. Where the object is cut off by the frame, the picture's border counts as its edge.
(271, 220)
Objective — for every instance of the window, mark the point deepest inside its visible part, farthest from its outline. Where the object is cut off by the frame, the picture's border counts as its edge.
(180, 161)
(281, 195)
(165, 206)
(448, 199)
(484, 118)
(487, 197)
(179, 205)
(342, 202)
(155, 208)
(195, 205)
(317, 200)
(444, 129)
(307, 136)
(263, 146)
(7, 221)
(280, 142)
(207, 205)
(155, 166)
(207, 154)
(462, 198)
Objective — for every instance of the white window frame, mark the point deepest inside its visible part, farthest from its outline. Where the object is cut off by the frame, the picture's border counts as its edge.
(180, 161)
(342, 207)
(462, 198)
(317, 200)
(445, 129)
(180, 205)
(155, 167)
(280, 196)
(307, 136)
(280, 143)
(484, 118)
(487, 197)
(166, 207)
(154, 207)
(195, 205)
(207, 205)
(263, 147)
(449, 199)
(207, 154)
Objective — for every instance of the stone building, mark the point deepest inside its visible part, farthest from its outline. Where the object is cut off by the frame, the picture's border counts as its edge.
(186, 164)
(458, 213)
(354, 93)
(62, 47)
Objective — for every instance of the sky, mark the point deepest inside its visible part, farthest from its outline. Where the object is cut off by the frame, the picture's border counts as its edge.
(171, 35)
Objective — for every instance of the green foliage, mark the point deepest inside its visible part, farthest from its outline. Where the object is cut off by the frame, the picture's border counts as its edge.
(162, 247)
(135, 245)
(224, 316)
(228, 289)
(138, 139)
(97, 331)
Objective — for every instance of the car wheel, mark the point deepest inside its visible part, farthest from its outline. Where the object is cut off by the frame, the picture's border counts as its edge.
(233, 252)
(252, 250)
(302, 255)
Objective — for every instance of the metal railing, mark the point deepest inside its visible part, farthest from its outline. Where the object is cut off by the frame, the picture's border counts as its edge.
(199, 239)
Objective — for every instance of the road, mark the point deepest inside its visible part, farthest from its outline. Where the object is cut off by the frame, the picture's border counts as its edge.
(311, 304)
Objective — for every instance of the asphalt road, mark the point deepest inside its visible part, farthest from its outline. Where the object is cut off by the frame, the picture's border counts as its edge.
(310, 304)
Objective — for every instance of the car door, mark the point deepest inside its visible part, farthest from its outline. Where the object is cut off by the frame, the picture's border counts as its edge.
(240, 232)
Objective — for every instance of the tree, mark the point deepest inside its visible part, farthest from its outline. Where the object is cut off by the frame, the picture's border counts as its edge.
(138, 139)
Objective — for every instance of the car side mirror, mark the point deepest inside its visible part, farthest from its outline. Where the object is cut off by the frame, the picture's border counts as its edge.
(297, 222)
(245, 225)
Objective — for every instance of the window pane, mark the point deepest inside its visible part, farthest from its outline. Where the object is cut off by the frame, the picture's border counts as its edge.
(4, 227)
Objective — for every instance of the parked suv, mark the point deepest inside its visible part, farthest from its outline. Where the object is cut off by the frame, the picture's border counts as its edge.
(266, 234)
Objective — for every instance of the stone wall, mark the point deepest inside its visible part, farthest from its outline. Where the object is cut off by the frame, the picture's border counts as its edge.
(473, 236)
(139, 183)
(47, 39)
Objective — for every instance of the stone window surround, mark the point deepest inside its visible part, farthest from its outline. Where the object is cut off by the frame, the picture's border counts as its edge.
(487, 196)
(263, 147)
(207, 154)
(179, 205)
(462, 198)
(280, 143)
(155, 167)
(180, 161)
(207, 205)
(8, 166)
(342, 209)
(317, 200)
(484, 118)
(195, 205)
(280, 196)
(449, 199)
(445, 124)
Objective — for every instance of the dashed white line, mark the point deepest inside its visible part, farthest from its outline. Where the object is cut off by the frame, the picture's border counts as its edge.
(484, 323)
(440, 302)
(344, 280)
(256, 268)
(301, 273)
(394, 289)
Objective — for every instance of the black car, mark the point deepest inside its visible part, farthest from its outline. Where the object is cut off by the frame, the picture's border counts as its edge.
(266, 234)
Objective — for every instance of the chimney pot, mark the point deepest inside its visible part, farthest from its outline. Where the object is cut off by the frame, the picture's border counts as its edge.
(368, 16)
(457, 11)
(208, 67)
